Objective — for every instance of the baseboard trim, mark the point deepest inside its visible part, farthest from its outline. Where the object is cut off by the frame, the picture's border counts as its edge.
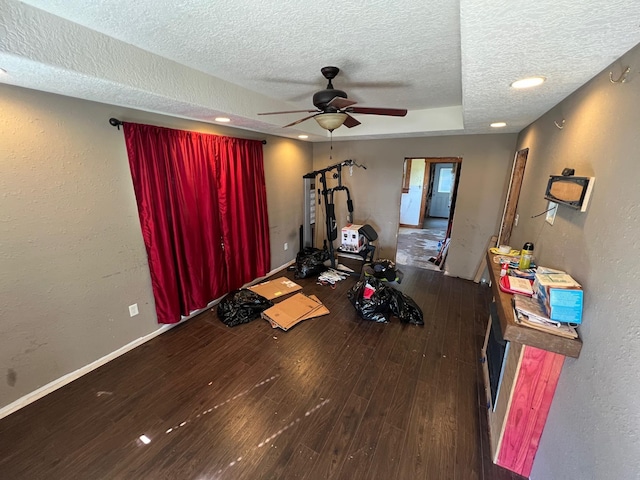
(70, 377)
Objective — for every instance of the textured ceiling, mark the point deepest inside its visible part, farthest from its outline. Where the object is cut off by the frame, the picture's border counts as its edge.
(449, 63)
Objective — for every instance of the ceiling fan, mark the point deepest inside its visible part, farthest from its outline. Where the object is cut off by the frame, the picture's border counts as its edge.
(334, 109)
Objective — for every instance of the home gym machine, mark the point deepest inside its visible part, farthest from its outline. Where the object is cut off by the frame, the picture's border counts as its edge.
(308, 228)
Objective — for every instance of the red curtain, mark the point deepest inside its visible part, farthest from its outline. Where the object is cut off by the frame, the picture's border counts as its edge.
(243, 210)
(203, 211)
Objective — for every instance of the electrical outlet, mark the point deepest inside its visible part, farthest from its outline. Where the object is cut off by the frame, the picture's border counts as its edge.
(286, 246)
(133, 310)
(515, 220)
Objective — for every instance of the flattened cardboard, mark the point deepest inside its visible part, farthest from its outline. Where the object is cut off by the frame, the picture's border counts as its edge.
(318, 312)
(291, 311)
(275, 288)
(294, 310)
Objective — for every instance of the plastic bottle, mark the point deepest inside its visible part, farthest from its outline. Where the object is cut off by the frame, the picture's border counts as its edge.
(525, 256)
(504, 268)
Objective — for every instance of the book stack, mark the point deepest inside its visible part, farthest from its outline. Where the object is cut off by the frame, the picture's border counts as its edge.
(529, 312)
(560, 295)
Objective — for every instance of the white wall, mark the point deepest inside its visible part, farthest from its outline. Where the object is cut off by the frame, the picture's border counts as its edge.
(71, 252)
(592, 432)
(486, 166)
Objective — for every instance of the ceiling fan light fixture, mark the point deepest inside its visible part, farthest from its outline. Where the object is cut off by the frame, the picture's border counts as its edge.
(529, 82)
(330, 121)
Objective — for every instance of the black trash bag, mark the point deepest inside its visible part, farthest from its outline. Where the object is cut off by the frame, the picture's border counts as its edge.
(241, 306)
(403, 307)
(384, 270)
(371, 299)
(310, 262)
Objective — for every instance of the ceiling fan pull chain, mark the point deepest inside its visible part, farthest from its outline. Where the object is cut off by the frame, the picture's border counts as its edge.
(331, 145)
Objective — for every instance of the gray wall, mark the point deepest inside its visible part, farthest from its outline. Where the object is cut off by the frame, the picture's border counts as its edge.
(71, 251)
(593, 427)
(486, 167)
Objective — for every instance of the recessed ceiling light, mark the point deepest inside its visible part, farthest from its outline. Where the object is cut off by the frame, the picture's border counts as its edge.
(528, 82)
(222, 119)
(498, 124)
(303, 136)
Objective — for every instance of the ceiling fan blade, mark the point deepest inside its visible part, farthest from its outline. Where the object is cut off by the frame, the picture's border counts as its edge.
(351, 122)
(393, 112)
(340, 103)
(300, 121)
(290, 111)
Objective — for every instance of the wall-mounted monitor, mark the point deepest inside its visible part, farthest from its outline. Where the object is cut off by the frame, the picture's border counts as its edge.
(569, 190)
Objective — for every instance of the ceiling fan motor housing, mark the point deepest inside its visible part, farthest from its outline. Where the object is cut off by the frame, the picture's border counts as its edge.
(332, 100)
(323, 97)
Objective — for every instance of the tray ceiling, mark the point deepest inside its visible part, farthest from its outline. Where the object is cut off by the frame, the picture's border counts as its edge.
(449, 63)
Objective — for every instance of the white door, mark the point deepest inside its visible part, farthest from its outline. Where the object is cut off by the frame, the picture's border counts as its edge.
(410, 201)
(442, 188)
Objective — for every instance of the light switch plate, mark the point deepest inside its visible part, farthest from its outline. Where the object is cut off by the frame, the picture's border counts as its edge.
(552, 208)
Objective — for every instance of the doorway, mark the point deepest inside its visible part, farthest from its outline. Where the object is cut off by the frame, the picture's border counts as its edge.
(440, 190)
(427, 205)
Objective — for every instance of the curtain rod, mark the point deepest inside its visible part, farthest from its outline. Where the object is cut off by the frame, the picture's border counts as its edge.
(114, 122)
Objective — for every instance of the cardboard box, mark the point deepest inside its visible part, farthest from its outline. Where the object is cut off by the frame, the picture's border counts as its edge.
(565, 305)
(294, 310)
(275, 288)
(352, 239)
(560, 295)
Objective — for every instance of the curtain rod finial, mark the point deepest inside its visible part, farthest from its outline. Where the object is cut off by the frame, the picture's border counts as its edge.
(114, 122)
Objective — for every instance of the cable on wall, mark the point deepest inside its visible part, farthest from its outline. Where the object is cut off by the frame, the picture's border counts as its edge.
(540, 214)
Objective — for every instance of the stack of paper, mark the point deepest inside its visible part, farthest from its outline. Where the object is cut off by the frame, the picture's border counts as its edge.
(557, 280)
(529, 312)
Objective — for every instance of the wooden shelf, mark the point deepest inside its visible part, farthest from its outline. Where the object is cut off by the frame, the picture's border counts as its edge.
(514, 332)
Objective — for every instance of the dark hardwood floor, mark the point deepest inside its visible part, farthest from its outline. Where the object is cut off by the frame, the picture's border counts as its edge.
(336, 397)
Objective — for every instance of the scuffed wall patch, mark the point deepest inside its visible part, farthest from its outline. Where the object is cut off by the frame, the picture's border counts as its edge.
(12, 377)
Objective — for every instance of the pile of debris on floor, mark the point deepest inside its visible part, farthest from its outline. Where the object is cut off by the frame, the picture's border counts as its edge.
(373, 296)
(247, 304)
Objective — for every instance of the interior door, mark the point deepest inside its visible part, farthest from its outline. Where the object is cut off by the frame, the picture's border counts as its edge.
(442, 188)
(412, 193)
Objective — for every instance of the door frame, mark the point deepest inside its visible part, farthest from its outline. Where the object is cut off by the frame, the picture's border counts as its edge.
(513, 195)
(427, 181)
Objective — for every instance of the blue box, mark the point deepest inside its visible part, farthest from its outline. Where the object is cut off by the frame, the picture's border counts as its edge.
(565, 305)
